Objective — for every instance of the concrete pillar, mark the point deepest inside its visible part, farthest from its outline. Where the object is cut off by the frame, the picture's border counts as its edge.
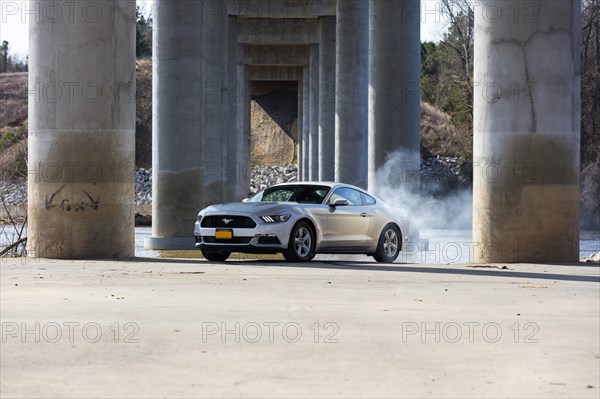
(313, 136)
(351, 140)
(300, 127)
(326, 98)
(236, 153)
(243, 137)
(214, 91)
(82, 133)
(177, 122)
(526, 131)
(304, 160)
(394, 94)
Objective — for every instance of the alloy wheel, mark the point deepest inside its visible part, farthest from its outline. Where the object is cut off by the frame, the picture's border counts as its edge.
(302, 242)
(390, 243)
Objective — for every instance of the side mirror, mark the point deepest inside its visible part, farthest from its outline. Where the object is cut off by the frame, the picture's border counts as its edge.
(245, 199)
(339, 202)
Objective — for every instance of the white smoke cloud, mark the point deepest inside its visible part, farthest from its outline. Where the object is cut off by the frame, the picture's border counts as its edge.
(396, 184)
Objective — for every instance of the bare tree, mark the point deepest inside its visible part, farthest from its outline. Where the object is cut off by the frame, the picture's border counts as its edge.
(590, 79)
(17, 246)
(459, 40)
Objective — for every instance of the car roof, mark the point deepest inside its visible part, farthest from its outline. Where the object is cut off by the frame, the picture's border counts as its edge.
(320, 183)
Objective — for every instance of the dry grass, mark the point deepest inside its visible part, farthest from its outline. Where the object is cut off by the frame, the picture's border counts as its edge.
(143, 117)
(13, 95)
(440, 137)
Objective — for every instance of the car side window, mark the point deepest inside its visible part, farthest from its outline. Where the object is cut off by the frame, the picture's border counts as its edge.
(352, 196)
(367, 199)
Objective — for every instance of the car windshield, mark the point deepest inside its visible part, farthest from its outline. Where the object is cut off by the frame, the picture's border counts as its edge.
(300, 193)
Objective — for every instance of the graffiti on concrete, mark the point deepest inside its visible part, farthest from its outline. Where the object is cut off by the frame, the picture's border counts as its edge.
(68, 205)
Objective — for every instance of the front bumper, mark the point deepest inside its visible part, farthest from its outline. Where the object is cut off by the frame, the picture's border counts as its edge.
(264, 238)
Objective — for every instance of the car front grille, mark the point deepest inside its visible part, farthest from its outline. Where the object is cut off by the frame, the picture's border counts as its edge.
(227, 221)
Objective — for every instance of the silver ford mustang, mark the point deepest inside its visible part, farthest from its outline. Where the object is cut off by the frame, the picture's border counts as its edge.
(301, 220)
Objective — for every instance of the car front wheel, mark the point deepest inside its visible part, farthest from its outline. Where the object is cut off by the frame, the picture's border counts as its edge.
(389, 244)
(213, 256)
(301, 246)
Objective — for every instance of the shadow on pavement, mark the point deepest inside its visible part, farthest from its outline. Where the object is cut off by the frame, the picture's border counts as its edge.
(478, 270)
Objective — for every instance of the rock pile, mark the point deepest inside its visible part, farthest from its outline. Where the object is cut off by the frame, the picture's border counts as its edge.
(441, 175)
(143, 186)
(265, 176)
(14, 192)
(262, 177)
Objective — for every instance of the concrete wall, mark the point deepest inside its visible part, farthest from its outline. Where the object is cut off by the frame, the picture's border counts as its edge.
(278, 31)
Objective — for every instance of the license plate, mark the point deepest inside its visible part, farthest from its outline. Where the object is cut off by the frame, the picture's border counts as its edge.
(224, 234)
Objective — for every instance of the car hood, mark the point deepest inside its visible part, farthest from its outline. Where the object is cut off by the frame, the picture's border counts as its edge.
(261, 208)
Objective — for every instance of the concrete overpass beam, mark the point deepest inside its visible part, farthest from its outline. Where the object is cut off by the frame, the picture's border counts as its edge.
(526, 131)
(270, 31)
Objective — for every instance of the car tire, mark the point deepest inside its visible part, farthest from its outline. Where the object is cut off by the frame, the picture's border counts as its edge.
(213, 256)
(302, 244)
(389, 245)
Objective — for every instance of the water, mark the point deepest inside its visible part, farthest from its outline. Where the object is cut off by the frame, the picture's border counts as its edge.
(589, 243)
(8, 235)
(445, 246)
(456, 246)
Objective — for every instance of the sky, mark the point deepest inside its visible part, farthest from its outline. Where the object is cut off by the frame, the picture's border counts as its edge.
(14, 23)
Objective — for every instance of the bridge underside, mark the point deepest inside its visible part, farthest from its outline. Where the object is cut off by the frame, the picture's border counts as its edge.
(356, 64)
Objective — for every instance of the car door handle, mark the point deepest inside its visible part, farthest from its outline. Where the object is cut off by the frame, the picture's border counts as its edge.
(364, 214)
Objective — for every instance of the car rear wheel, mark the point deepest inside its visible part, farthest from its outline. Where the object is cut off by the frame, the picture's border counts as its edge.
(215, 256)
(301, 246)
(389, 244)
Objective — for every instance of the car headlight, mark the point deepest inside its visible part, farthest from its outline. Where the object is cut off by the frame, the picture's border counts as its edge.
(275, 218)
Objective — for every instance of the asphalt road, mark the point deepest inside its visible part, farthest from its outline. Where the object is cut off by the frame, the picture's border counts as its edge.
(185, 328)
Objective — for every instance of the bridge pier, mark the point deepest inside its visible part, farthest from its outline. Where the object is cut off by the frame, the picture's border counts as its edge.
(82, 134)
(214, 100)
(351, 137)
(313, 137)
(177, 118)
(526, 131)
(326, 98)
(394, 94)
(304, 161)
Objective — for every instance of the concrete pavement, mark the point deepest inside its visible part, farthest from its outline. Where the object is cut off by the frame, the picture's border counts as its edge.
(188, 328)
